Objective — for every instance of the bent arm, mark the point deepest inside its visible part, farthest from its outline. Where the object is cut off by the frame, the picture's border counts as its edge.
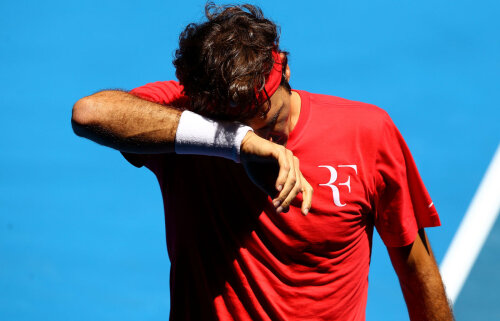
(420, 280)
(124, 122)
(129, 124)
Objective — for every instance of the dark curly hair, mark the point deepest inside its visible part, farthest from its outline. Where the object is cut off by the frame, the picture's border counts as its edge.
(222, 62)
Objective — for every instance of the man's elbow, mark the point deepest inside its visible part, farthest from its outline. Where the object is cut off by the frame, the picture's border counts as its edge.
(83, 115)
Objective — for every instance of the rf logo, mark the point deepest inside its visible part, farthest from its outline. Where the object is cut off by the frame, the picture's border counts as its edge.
(333, 178)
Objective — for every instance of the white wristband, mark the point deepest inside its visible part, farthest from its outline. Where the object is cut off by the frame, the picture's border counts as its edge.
(199, 135)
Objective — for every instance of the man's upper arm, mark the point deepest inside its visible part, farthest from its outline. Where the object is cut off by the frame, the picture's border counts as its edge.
(408, 259)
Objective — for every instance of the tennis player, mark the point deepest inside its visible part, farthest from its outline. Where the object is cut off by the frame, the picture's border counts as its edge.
(247, 239)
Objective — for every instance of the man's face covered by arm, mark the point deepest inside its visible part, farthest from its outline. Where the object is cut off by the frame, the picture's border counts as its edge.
(232, 69)
(226, 64)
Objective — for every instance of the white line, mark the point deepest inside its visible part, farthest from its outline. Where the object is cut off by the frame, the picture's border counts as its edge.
(473, 230)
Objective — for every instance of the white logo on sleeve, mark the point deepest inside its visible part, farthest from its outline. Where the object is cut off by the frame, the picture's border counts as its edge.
(333, 178)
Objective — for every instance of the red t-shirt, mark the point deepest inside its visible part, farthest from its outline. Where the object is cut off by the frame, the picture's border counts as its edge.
(233, 258)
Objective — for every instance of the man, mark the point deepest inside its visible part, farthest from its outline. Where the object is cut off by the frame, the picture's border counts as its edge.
(237, 253)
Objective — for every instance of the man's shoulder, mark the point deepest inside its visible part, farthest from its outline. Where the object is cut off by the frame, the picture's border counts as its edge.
(168, 92)
(347, 108)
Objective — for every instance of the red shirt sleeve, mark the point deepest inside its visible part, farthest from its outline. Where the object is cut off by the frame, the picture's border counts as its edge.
(161, 92)
(403, 203)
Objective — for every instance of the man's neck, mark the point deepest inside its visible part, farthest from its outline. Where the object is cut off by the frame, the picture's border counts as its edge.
(295, 104)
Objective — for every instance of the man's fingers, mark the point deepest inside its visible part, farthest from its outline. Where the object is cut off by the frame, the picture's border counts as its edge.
(284, 164)
(296, 188)
(307, 193)
(288, 184)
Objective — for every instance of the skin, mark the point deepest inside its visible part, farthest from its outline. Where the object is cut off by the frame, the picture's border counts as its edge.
(420, 280)
(276, 127)
(414, 264)
(124, 122)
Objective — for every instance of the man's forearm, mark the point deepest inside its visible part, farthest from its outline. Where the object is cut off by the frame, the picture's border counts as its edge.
(124, 122)
(420, 281)
(425, 297)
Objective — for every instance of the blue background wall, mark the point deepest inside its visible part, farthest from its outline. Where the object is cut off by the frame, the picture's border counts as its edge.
(81, 231)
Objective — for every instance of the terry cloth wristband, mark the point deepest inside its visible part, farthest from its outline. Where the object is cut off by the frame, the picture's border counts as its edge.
(198, 135)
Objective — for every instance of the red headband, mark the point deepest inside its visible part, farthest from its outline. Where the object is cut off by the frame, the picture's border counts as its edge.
(273, 80)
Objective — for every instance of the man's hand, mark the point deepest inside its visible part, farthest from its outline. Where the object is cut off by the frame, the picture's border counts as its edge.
(264, 160)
